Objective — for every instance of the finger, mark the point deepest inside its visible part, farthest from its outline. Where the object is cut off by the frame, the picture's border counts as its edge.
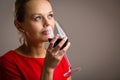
(53, 41)
(63, 51)
(55, 38)
(66, 47)
(57, 48)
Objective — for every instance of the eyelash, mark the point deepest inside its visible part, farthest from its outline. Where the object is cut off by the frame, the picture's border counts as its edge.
(37, 18)
(51, 15)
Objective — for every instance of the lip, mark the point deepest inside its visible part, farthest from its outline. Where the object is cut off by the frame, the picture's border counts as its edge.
(46, 32)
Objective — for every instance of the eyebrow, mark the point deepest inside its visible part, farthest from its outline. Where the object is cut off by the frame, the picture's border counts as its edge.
(40, 13)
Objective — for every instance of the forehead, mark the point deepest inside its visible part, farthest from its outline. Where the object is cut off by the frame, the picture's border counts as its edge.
(38, 6)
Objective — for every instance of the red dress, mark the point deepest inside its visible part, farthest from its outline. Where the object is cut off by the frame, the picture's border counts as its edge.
(17, 67)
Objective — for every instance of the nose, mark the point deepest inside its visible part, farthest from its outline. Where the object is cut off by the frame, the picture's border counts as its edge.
(46, 22)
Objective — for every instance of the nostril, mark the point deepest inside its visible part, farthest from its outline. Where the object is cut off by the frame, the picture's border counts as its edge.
(46, 25)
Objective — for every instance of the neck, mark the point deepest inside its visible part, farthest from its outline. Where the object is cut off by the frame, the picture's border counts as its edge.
(33, 50)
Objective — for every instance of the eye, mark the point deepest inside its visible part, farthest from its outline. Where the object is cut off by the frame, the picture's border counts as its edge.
(37, 18)
(50, 16)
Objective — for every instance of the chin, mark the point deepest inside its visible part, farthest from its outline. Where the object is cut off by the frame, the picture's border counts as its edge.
(45, 40)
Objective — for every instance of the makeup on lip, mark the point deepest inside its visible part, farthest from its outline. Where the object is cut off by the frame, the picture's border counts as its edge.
(46, 32)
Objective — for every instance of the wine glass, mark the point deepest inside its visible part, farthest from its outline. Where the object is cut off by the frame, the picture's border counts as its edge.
(59, 30)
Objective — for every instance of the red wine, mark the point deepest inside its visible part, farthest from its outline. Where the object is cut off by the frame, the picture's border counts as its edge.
(58, 41)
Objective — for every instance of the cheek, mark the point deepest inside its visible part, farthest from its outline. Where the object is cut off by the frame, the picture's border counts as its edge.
(34, 28)
(34, 31)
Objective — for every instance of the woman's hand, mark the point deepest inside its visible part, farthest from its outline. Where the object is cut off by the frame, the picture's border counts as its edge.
(55, 54)
(53, 58)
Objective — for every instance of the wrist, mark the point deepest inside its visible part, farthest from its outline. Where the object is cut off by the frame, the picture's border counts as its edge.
(48, 70)
(47, 74)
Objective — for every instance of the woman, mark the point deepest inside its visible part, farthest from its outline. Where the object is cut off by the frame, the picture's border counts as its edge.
(31, 61)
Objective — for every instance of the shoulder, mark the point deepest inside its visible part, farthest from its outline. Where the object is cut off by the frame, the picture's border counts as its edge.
(7, 58)
(6, 61)
(8, 69)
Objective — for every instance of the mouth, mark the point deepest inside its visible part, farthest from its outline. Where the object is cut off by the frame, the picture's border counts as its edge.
(46, 32)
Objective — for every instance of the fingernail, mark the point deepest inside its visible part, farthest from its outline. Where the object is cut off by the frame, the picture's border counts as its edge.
(66, 37)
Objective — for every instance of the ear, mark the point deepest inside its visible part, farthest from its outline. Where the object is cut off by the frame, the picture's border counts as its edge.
(19, 26)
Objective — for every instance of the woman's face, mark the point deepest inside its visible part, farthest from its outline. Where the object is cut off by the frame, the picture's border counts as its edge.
(38, 17)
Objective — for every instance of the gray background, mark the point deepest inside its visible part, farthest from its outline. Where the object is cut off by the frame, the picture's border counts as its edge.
(93, 27)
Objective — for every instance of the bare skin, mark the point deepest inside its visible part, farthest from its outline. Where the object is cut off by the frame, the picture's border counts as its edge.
(38, 17)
